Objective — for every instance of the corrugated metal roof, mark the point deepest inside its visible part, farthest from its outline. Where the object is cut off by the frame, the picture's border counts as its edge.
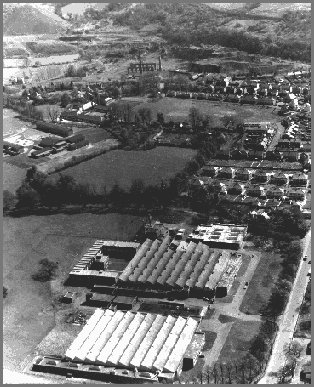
(105, 336)
(139, 336)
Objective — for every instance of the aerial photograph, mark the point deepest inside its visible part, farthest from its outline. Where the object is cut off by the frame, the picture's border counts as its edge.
(157, 193)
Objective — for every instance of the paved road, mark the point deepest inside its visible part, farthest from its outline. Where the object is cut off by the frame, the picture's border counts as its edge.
(289, 319)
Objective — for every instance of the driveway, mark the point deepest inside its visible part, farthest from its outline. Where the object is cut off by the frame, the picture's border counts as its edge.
(232, 310)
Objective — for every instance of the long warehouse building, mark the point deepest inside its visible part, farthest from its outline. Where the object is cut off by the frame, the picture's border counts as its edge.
(147, 342)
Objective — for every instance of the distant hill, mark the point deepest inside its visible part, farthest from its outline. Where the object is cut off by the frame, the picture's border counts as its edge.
(269, 9)
(27, 19)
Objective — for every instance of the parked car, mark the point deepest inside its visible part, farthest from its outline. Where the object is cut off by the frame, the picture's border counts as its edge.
(246, 285)
(305, 258)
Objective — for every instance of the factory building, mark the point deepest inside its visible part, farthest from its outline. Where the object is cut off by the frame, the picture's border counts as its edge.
(228, 236)
(143, 341)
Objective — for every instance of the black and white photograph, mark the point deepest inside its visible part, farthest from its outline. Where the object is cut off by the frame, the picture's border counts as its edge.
(157, 193)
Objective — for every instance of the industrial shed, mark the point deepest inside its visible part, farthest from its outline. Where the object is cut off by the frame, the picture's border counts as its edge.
(148, 342)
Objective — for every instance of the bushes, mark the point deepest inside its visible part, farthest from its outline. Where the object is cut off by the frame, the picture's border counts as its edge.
(5, 292)
(46, 272)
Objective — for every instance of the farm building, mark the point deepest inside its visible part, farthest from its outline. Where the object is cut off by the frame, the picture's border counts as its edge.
(54, 129)
(226, 281)
(147, 342)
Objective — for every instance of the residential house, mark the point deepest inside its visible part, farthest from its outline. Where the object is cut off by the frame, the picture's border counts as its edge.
(279, 178)
(274, 192)
(242, 174)
(296, 194)
(255, 190)
(216, 186)
(238, 154)
(234, 189)
(305, 374)
(273, 156)
(272, 203)
(290, 155)
(295, 143)
(256, 154)
(283, 143)
(223, 154)
(306, 146)
(260, 176)
(225, 173)
(208, 171)
(298, 179)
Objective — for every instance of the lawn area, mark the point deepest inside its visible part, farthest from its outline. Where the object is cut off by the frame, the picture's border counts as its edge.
(12, 177)
(239, 340)
(260, 287)
(124, 166)
(180, 108)
(28, 308)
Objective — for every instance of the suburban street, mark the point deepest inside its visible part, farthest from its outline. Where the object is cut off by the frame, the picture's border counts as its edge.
(289, 319)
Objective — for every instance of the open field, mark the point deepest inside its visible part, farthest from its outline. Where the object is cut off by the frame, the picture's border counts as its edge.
(238, 340)
(179, 108)
(123, 166)
(29, 309)
(260, 287)
(12, 177)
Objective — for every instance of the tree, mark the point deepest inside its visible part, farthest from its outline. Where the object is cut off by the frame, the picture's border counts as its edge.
(195, 117)
(145, 115)
(229, 369)
(81, 72)
(136, 191)
(65, 187)
(160, 118)
(89, 55)
(46, 272)
(192, 167)
(53, 112)
(65, 99)
(70, 72)
(5, 292)
(293, 350)
(283, 373)
(215, 373)
(116, 195)
(27, 197)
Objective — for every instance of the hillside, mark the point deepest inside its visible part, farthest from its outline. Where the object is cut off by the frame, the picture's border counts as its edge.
(278, 30)
(26, 19)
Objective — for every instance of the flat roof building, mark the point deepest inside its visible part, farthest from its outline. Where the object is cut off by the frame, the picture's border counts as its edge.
(220, 235)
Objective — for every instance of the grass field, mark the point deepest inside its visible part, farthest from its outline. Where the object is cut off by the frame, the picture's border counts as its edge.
(180, 108)
(261, 284)
(12, 177)
(124, 166)
(239, 340)
(29, 309)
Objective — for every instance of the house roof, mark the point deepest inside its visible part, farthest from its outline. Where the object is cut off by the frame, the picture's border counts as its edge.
(123, 300)
(50, 141)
